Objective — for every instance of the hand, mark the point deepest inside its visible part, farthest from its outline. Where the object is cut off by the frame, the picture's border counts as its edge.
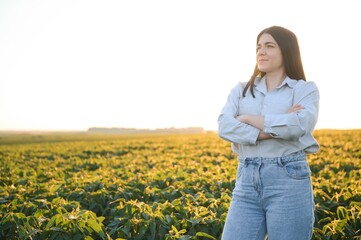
(236, 145)
(295, 108)
(242, 118)
(264, 136)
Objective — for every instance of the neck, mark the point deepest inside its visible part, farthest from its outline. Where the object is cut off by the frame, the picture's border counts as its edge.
(274, 80)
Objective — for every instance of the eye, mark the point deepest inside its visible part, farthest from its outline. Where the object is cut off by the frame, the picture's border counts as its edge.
(270, 46)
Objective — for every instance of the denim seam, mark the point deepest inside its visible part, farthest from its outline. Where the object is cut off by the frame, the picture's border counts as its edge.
(275, 160)
(310, 233)
(259, 229)
(257, 181)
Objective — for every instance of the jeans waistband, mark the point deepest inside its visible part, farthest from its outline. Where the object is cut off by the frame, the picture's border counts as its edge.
(293, 157)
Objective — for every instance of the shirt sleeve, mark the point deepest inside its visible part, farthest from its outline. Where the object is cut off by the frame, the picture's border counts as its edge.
(230, 128)
(291, 126)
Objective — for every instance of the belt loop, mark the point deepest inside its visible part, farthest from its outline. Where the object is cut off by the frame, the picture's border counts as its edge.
(279, 161)
(246, 162)
(243, 161)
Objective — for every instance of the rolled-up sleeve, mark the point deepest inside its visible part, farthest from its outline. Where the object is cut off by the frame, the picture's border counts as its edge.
(291, 126)
(231, 129)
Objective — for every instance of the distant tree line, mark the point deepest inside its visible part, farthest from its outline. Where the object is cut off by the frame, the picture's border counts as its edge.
(136, 130)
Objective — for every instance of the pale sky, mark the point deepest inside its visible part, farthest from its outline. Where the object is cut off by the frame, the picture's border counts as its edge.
(71, 65)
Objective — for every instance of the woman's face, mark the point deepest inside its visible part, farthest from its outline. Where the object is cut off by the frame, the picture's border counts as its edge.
(269, 56)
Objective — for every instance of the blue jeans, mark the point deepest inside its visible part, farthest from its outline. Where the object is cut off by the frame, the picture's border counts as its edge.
(272, 196)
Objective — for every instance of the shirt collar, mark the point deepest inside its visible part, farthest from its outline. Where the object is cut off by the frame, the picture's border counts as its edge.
(289, 81)
(260, 83)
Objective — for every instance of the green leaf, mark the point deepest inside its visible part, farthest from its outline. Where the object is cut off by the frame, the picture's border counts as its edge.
(174, 229)
(101, 219)
(94, 225)
(325, 220)
(152, 229)
(19, 216)
(185, 237)
(58, 219)
(88, 238)
(342, 213)
(155, 205)
(51, 223)
(340, 225)
(203, 234)
(31, 233)
(194, 221)
(54, 188)
(169, 219)
(6, 218)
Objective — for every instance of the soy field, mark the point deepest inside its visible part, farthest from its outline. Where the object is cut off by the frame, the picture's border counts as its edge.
(82, 186)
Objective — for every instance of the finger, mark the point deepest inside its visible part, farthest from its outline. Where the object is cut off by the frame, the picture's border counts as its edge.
(295, 108)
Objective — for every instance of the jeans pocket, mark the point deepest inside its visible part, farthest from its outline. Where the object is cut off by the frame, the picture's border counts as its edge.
(297, 170)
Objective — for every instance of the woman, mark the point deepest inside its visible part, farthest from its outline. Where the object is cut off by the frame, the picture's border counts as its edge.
(269, 121)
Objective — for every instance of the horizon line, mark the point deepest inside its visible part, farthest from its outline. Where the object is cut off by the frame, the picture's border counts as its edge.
(87, 130)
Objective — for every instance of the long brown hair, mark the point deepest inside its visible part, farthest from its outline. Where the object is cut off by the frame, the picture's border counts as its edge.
(287, 41)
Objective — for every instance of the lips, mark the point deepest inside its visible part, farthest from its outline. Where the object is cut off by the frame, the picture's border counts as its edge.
(261, 61)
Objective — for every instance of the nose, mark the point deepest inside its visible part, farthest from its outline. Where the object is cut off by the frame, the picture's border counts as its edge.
(261, 51)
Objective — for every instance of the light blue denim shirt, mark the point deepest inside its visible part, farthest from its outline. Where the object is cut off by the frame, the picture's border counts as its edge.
(291, 132)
